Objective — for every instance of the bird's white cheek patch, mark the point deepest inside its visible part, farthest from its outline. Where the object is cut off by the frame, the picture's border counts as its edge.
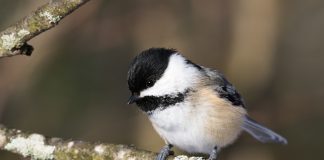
(177, 77)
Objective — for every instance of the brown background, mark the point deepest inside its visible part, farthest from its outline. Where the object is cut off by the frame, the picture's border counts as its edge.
(74, 84)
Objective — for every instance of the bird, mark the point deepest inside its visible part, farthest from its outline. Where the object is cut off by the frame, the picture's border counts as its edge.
(190, 106)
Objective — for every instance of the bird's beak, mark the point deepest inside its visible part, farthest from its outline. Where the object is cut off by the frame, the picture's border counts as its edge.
(133, 98)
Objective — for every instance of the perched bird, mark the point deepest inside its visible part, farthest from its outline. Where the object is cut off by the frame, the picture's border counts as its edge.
(190, 106)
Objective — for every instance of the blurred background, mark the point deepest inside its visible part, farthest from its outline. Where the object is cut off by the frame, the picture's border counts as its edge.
(74, 85)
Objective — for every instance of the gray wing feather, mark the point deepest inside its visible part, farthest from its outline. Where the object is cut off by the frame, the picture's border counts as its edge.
(262, 133)
(224, 88)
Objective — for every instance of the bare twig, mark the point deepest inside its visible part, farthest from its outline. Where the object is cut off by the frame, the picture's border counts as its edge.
(13, 40)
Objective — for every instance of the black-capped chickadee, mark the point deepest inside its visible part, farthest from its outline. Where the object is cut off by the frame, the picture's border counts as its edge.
(190, 106)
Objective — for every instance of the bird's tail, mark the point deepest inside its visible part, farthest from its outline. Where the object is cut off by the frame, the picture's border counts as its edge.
(262, 133)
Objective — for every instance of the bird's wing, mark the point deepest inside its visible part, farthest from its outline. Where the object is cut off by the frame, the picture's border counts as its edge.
(224, 88)
(227, 91)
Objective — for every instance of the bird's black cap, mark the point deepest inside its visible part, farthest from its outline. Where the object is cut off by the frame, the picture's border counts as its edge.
(147, 68)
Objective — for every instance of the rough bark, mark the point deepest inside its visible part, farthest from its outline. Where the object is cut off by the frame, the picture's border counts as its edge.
(13, 40)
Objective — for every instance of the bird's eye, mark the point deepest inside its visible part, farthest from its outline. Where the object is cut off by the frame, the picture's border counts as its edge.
(149, 83)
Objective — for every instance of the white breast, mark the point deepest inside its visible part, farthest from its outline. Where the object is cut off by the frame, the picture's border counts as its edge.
(198, 129)
(178, 126)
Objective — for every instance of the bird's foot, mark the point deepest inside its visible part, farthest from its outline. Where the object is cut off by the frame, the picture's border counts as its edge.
(213, 154)
(165, 152)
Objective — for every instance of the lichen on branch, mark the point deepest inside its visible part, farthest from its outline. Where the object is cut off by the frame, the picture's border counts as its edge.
(38, 147)
(13, 40)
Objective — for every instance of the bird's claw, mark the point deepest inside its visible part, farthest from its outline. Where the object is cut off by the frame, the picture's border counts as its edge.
(165, 152)
(213, 154)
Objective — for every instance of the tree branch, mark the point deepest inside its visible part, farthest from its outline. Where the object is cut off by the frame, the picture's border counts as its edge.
(13, 40)
(36, 146)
